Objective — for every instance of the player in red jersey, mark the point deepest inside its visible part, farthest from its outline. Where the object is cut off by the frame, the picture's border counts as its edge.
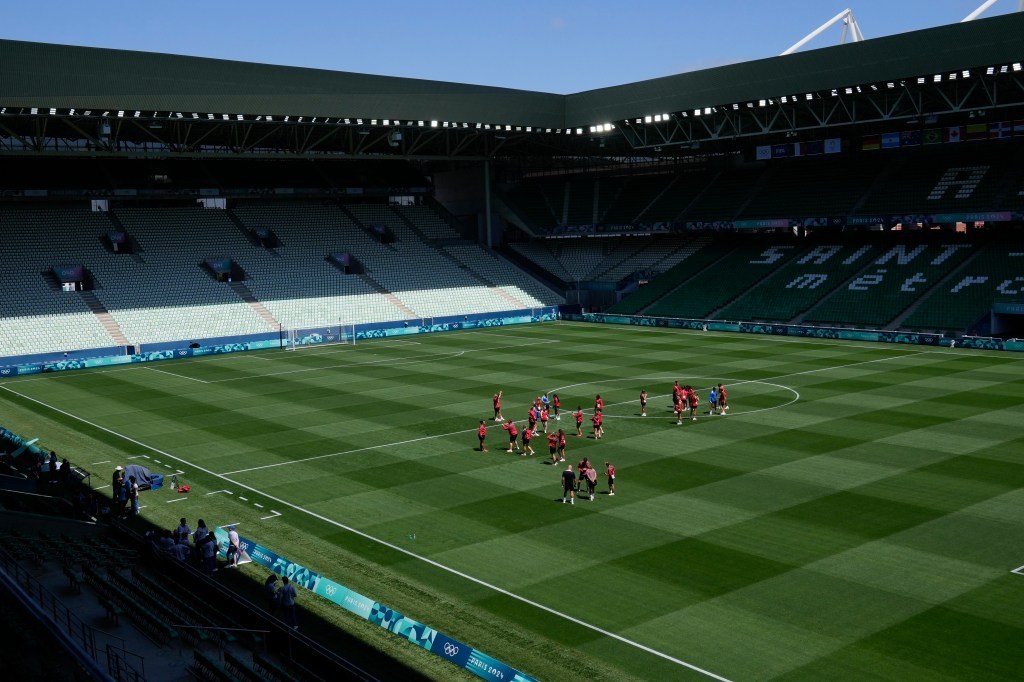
(723, 404)
(553, 447)
(544, 419)
(598, 420)
(513, 435)
(643, 402)
(579, 420)
(527, 437)
(482, 434)
(557, 404)
(531, 417)
(677, 393)
(679, 407)
(561, 445)
(610, 470)
(694, 404)
(598, 404)
(581, 470)
(497, 407)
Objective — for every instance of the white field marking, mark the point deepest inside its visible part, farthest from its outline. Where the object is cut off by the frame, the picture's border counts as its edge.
(172, 374)
(132, 457)
(257, 505)
(156, 460)
(243, 499)
(511, 336)
(273, 515)
(385, 543)
(217, 491)
(168, 466)
(106, 461)
(180, 499)
(703, 404)
(362, 346)
(350, 452)
(412, 360)
(101, 487)
(233, 523)
(1019, 570)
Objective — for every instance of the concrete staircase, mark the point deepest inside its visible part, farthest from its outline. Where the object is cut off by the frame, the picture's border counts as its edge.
(246, 295)
(406, 311)
(104, 316)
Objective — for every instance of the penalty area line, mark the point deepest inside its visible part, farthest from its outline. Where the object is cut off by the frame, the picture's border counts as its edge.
(385, 543)
(1019, 570)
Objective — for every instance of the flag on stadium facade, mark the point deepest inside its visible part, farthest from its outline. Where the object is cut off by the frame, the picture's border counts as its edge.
(1000, 129)
(780, 151)
(814, 147)
(954, 133)
(890, 140)
(871, 142)
(910, 138)
(976, 131)
(933, 136)
(1018, 127)
(764, 152)
(834, 145)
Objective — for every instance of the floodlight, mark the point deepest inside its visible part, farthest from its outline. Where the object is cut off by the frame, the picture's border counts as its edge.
(1016, 66)
(890, 85)
(387, 122)
(735, 107)
(420, 123)
(53, 111)
(657, 118)
(966, 73)
(225, 117)
(209, 117)
(647, 119)
(478, 126)
(71, 112)
(547, 130)
(359, 121)
(194, 114)
(1003, 68)
(664, 117)
(762, 102)
(487, 126)
(849, 91)
(808, 97)
(529, 129)
(433, 124)
(785, 99)
(120, 114)
(990, 71)
(373, 122)
(937, 78)
(579, 131)
(137, 113)
(509, 128)
(952, 76)
(608, 127)
(347, 122)
(269, 118)
(591, 128)
(177, 113)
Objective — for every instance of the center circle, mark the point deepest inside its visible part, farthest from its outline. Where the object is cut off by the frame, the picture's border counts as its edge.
(623, 402)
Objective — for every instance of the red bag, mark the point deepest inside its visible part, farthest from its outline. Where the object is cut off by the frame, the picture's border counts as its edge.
(183, 489)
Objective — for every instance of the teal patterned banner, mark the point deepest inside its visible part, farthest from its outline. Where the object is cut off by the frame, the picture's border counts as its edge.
(462, 655)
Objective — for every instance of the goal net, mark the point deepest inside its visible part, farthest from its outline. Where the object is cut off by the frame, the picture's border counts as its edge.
(313, 337)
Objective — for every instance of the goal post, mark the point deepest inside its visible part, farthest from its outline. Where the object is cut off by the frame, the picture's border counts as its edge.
(338, 334)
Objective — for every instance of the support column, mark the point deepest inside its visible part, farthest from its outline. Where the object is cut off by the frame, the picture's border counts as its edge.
(487, 204)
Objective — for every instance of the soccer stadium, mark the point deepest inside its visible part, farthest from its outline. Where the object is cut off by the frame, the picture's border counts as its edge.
(326, 313)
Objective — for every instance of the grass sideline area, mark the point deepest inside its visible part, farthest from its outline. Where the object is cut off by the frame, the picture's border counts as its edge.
(857, 514)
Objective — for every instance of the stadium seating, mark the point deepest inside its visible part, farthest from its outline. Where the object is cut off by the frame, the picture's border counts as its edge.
(707, 291)
(993, 275)
(634, 196)
(725, 195)
(540, 253)
(37, 317)
(690, 260)
(803, 187)
(895, 279)
(817, 270)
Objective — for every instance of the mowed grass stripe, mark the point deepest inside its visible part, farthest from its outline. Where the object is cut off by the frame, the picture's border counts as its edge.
(733, 496)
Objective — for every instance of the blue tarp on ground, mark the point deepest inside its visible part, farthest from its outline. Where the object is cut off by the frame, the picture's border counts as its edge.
(144, 477)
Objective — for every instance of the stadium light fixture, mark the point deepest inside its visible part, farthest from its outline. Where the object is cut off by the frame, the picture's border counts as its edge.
(937, 78)
(951, 76)
(608, 127)
(966, 73)
(785, 99)
(479, 126)
(809, 96)
(579, 131)
(177, 113)
(209, 117)
(53, 111)
(1016, 66)
(359, 121)
(420, 123)
(529, 129)
(120, 114)
(990, 71)
(1003, 68)
(547, 130)
(509, 128)
(225, 117)
(433, 124)
(657, 118)
(648, 119)
(194, 115)
(762, 102)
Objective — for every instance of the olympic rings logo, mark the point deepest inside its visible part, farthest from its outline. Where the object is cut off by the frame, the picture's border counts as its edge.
(331, 589)
(450, 649)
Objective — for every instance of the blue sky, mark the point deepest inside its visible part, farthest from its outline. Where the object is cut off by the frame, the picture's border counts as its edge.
(559, 46)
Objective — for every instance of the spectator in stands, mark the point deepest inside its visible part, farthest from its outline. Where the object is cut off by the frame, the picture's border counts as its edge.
(234, 548)
(52, 466)
(208, 549)
(133, 494)
(182, 532)
(286, 595)
(117, 482)
(165, 542)
(201, 532)
(180, 551)
(65, 472)
(270, 590)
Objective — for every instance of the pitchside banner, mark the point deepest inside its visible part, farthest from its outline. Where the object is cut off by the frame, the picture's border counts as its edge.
(462, 655)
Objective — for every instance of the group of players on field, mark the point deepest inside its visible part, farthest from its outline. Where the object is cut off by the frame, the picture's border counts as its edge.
(684, 399)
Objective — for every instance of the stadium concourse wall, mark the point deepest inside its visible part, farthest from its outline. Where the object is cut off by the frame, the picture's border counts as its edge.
(312, 336)
(437, 643)
(801, 331)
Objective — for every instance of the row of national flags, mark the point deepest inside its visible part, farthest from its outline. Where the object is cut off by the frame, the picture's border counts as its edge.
(968, 133)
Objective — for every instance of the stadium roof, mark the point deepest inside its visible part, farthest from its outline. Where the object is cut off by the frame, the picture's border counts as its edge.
(158, 103)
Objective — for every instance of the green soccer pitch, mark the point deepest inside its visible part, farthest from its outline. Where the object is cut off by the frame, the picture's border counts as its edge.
(858, 514)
